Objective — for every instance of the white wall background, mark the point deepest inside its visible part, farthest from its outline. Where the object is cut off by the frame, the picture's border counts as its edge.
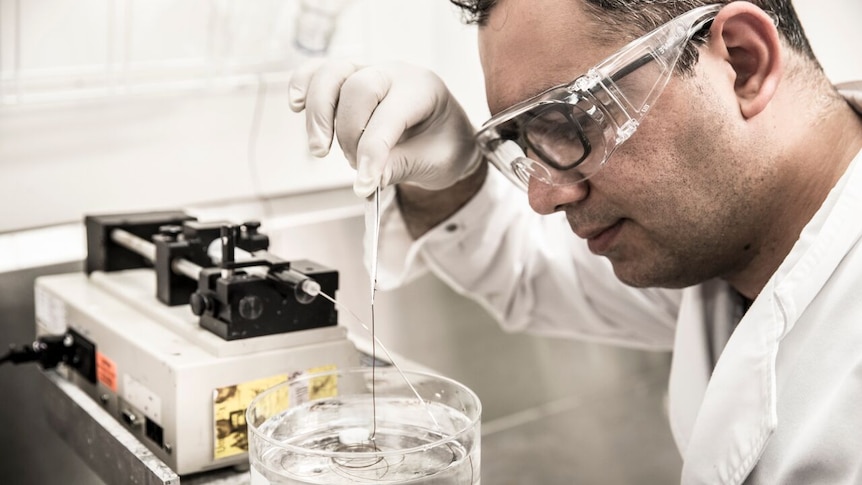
(175, 146)
(833, 30)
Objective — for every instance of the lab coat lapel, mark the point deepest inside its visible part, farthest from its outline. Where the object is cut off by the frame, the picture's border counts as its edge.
(702, 306)
(718, 421)
(738, 412)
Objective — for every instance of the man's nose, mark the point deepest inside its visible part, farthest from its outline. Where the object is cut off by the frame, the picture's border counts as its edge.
(547, 199)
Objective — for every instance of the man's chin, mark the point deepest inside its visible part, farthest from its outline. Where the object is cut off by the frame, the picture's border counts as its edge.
(642, 278)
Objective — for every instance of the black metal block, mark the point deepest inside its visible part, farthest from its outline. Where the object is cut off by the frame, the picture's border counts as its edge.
(105, 255)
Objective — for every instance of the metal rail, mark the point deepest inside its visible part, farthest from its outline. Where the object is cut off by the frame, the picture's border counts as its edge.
(148, 250)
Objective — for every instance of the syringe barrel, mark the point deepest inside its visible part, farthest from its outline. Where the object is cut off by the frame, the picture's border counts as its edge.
(304, 287)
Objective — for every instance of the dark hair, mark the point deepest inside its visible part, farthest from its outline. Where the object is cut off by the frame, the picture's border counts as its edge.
(632, 18)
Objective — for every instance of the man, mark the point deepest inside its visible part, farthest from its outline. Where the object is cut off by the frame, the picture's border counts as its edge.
(711, 156)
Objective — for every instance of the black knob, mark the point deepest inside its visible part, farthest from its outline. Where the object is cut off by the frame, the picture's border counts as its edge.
(200, 303)
(251, 227)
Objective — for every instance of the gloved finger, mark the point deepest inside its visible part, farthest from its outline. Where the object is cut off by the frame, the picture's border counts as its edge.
(297, 86)
(321, 102)
(360, 96)
(400, 112)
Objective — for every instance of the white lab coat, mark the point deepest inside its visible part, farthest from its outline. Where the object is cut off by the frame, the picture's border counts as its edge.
(783, 402)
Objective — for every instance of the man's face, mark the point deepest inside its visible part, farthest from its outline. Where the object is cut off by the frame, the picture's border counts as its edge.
(676, 204)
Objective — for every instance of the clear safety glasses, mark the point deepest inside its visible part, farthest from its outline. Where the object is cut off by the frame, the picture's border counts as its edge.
(567, 133)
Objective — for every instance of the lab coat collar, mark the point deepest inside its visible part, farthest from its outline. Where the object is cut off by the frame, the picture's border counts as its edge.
(852, 92)
(723, 422)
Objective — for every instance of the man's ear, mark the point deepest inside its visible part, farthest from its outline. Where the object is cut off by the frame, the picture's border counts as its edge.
(746, 38)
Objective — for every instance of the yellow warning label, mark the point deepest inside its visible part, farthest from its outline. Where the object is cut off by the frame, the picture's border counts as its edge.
(229, 405)
(231, 402)
(323, 386)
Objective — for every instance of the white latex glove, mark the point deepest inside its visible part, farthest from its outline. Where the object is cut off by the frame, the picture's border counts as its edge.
(395, 123)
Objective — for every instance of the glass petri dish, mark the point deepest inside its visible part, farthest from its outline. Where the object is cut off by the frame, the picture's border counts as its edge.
(336, 427)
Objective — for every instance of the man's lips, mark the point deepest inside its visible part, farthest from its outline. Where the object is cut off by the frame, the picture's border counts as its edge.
(600, 239)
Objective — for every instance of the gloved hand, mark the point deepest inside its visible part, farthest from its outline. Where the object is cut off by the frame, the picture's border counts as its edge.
(395, 123)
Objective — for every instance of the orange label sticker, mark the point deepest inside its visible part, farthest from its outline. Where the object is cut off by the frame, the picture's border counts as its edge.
(106, 371)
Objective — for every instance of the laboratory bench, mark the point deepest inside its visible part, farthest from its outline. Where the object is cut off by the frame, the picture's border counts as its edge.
(615, 433)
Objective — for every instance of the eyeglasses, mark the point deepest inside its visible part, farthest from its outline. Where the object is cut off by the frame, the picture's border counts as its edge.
(566, 134)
